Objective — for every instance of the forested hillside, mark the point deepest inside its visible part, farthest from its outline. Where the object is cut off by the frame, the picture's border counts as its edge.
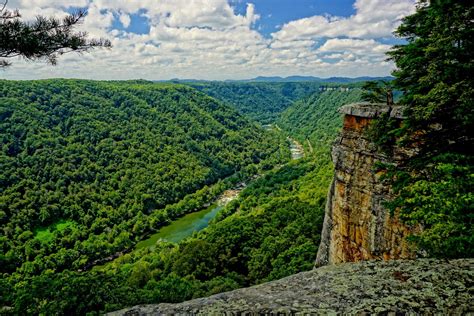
(262, 101)
(109, 179)
(316, 119)
(271, 231)
(92, 167)
(88, 168)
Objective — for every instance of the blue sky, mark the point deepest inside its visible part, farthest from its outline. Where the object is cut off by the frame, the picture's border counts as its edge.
(138, 24)
(274, 14)
(224, 39)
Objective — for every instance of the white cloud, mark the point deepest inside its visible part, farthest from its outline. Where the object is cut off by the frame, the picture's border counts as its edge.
(354, 45)
(96, 23)
(373, 19)
(208, 39)
(125, 20)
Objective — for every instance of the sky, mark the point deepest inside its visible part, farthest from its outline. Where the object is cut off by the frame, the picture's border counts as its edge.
(222, 39)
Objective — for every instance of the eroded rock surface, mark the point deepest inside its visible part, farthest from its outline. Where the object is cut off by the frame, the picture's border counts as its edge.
(357, 226)
(421, 286)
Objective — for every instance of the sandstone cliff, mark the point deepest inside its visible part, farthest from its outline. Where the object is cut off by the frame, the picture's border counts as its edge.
(418, 287)
(356, 225)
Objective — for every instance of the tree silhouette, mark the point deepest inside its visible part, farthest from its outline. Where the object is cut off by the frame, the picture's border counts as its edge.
(44, 38)
(378, 92)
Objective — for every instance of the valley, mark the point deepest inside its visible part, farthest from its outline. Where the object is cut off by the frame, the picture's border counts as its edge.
(266, 183)
(145, 193)
(190, 223)
(141, 163)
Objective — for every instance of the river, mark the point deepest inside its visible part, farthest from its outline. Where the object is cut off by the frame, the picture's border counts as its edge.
(296, 149)
(182, 227)
(186, 225)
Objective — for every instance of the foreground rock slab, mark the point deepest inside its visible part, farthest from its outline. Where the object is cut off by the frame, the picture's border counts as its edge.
(424, 286)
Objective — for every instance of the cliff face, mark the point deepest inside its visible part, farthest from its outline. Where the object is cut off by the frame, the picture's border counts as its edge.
(356, 225)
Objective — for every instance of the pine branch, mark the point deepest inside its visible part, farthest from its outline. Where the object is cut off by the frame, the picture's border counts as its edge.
(45, 38)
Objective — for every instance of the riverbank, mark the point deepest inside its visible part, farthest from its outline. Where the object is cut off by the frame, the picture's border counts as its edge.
(195, 220)
(231, 194)
(190, 223)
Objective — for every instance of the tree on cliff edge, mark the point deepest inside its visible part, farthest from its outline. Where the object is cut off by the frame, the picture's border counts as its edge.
(378, 92)
(44, 38)
(434, 70)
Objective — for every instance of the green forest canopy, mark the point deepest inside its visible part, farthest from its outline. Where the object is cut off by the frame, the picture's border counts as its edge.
(263, 101)
(92, 148)
(316, 119)
(104, 157)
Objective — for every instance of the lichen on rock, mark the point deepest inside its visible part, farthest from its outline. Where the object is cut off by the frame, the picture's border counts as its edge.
(423, 286)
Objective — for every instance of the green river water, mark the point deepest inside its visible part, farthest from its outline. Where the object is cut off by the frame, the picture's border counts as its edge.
(182, 227)
(188, 224)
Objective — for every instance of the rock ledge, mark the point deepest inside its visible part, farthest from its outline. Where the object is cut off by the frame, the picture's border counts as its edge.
(423, 286)
(372, 110)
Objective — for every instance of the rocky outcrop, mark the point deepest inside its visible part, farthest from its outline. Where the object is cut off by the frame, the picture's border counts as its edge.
(357, 226)
(418, 287)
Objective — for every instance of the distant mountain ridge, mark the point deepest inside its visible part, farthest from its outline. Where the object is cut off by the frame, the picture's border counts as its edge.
(286, 79)
(311, 78)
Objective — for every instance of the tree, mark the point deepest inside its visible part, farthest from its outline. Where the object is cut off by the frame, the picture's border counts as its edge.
(378, 92)
(434, 70)
(45, 38)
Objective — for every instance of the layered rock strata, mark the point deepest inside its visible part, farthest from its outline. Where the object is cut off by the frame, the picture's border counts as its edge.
(357, 226)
